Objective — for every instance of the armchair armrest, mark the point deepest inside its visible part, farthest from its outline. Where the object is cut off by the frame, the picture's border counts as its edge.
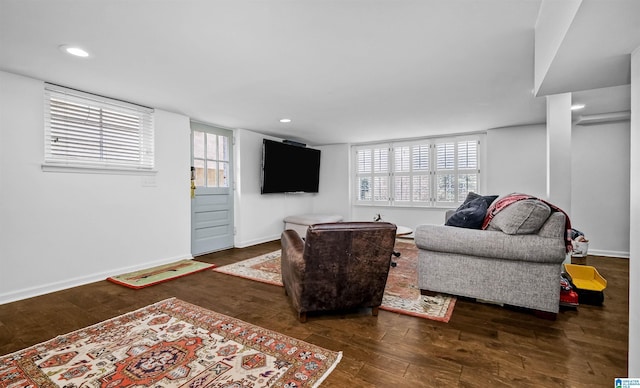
(292, 260)
(292, 244)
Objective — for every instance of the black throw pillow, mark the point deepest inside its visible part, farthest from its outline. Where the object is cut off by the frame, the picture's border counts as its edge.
(488, 198)
(470, 214)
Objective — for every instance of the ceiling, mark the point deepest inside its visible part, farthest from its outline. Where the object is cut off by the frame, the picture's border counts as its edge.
(341, 70)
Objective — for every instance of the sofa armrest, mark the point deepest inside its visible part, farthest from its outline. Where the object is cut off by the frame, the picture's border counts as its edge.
(554, 227)
(490, 244)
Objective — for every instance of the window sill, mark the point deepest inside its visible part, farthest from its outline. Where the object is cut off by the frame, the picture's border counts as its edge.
(425, 207)
(49, 167)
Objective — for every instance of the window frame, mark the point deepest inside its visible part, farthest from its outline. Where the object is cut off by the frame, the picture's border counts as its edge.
(135, 138)
(413, 176)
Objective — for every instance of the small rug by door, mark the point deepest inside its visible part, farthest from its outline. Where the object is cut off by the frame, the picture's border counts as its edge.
(401, 294)
(162, 273)
(170, 344)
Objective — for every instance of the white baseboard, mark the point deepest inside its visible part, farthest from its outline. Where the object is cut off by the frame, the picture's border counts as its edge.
(248, 243)
(31, 292)
(598, 252)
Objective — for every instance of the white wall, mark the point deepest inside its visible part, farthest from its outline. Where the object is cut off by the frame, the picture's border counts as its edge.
(600, 186)
(516, 160)
(333, 196)
(600, 160)
(59, 230)
(259, 217)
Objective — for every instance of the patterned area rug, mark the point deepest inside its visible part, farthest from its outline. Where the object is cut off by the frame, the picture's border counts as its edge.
(163, 273)
(401, 294)
(170, 344)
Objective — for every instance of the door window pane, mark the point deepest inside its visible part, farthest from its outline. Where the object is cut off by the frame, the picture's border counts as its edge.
(199, 165)
(216, 163)
(223, 178)
(211, 146)
(198, 145)
(223, 148)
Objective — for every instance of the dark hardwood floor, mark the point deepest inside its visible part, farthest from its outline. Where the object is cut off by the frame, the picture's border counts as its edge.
(482, 345)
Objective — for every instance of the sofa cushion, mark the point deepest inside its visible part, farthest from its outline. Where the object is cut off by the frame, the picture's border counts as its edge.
(469, 215)
(522, 217)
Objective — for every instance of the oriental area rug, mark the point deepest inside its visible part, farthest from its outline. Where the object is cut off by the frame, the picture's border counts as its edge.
(401, 295)
(163, 273)
(170, 344)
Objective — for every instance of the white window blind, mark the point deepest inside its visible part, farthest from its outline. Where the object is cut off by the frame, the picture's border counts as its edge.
(427, 172)
(85, 130)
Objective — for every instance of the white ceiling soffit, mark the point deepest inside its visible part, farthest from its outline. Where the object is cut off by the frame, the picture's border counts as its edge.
(595, 52)
(554, 20)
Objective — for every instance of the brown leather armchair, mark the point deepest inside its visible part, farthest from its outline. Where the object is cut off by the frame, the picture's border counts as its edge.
(338, 266)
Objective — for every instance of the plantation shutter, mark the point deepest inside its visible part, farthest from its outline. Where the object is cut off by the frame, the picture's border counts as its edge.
(467, 174)
(417, 173)
(401, 176)
(421, 185)
(445, 173)
(411, 178)
(456, 170)
(84, 130)
(372, 175)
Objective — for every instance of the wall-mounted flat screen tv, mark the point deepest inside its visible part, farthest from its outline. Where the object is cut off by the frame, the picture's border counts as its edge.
(289, 168)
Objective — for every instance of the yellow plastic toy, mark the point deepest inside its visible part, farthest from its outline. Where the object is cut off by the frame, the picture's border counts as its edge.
(585, 277)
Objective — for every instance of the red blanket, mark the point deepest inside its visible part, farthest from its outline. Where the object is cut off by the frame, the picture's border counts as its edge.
(501, 203)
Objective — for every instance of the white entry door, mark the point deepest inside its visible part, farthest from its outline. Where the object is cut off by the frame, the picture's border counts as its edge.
(212, 200)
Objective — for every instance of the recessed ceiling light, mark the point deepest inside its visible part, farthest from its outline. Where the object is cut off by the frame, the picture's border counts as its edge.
(74, 50)
(577, 106)
(285, 120)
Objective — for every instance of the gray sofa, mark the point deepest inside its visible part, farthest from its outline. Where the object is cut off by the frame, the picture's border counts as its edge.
(520, 268)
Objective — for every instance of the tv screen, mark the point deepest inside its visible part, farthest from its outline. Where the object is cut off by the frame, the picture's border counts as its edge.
(289, 168)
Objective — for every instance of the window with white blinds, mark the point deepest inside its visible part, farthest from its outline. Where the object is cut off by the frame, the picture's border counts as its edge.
(85, 130)
(427, 172)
